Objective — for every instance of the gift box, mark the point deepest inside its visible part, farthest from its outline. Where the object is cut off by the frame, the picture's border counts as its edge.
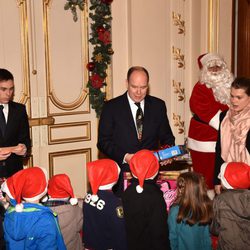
(171, 152)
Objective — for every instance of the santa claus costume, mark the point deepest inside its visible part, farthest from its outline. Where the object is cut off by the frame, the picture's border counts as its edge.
(210, 96)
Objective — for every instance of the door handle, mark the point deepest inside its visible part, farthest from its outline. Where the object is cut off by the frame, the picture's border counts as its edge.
(41, 121)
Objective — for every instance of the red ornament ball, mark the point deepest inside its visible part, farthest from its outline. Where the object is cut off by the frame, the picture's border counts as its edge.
(90, 66)
(107, 1)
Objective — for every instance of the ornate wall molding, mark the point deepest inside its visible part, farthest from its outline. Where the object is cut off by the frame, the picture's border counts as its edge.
(177, 21)
(51, 91)
(179, 123)
(179, 57)
(213, 25)
(179, 90)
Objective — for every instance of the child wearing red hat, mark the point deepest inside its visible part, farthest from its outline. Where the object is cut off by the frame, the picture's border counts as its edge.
(231, 222)
(27, 223)
(103, 226)
(144, 206)
(62, 201)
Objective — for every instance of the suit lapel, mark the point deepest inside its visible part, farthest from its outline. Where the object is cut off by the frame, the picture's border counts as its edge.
(147, 120)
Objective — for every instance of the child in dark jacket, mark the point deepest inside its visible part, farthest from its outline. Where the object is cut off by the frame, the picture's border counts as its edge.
(144, 206)
(231, 222)
(103, 224)
(27, 223)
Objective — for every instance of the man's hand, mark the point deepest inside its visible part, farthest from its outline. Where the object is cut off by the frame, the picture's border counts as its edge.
(20, 149)
(128, 157)
(217, 189)
(166, 162)
(5, 153)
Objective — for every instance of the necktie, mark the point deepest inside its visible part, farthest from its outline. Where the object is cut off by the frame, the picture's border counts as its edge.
(2, 120)
(139, 120)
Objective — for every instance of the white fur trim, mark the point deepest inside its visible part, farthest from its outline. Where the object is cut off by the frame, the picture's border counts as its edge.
(221, 176)
(73, 201)
(201, 146)
(19, 207)
(5, 189)
(139, 189)
(152, 177)
(208, 57)
(110, 185)
(215, 121)
(38, 197)
(94, 197)
(45, 198)
(107, 187)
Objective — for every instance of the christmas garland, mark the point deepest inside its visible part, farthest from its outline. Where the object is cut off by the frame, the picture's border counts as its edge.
(100, 38)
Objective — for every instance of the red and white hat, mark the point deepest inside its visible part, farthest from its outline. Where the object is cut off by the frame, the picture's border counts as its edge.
(143, 165)
(60, 187)
(103, 175)
(29, 184)
(235, 175)
(205, 58)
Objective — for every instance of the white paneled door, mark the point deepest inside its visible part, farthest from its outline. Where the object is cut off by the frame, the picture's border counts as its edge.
(47, 52)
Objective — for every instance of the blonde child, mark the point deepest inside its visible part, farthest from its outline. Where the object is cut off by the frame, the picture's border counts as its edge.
(190, 215)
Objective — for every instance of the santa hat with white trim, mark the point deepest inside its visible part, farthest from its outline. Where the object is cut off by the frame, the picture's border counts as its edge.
(205, 58)
(60, 187)
(235, 175)
(103, 175)
(29, 184)
(143, 165)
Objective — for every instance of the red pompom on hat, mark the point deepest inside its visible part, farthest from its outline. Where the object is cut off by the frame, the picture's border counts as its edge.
(143, 165)
(60, 187)
(235, 175)
(29, 184)
(103, 175)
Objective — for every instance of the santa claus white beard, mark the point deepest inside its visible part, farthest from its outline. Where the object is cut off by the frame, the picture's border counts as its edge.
(220, 82)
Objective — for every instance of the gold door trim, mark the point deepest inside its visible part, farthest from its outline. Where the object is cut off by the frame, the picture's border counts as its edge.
(50, 92)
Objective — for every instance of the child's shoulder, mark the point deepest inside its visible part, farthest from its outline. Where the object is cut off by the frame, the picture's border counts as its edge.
(174, 209)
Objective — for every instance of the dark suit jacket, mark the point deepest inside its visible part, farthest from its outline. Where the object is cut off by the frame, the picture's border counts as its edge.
(17, 131)
(117, 133)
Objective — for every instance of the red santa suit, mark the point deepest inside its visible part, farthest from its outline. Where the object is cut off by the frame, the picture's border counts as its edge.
(203, 129)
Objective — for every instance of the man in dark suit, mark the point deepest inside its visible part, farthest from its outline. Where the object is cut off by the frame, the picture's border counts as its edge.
(118, 135)
(14, 134)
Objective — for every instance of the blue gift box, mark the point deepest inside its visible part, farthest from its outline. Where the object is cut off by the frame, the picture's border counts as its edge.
(170, 152)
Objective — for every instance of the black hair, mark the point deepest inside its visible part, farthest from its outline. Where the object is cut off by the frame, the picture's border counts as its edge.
(242, 83)
(5, 75)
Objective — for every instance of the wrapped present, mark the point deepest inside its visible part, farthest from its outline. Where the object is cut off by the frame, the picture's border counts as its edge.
(170, 152)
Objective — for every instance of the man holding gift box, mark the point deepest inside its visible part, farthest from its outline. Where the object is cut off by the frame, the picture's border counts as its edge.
(133, 121)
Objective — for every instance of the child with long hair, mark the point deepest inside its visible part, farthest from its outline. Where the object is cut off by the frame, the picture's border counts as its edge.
(191, 214)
